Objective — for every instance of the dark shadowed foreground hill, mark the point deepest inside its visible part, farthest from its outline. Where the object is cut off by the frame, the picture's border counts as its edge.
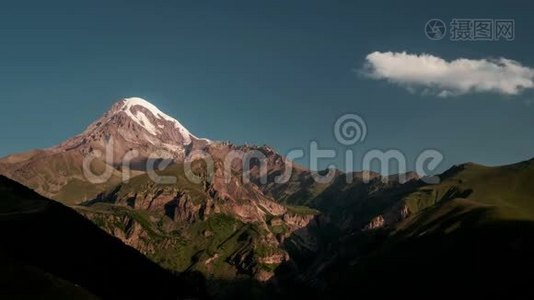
(49, 251)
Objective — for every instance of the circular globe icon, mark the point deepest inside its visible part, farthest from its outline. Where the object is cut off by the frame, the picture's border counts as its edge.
(435, 29)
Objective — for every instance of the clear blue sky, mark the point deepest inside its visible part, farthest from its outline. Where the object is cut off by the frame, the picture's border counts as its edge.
(264, 72)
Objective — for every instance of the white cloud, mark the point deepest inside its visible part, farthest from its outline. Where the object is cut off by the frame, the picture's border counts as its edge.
(430, 74)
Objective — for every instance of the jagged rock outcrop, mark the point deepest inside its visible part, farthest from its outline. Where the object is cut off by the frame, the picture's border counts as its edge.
(297, 220)
(393, 216)
(182, 209)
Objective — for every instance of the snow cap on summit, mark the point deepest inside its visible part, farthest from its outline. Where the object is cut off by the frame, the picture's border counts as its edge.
(140, 118)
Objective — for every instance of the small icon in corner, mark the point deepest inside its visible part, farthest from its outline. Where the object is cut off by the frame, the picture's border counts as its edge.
(435, 29)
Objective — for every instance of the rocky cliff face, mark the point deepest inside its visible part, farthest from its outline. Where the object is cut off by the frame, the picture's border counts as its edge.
(222, 229)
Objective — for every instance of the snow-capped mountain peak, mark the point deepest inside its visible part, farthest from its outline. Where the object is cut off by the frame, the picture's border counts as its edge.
(135, 124)
(140, 117)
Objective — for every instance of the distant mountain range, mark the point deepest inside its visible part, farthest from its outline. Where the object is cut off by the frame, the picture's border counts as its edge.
(256, 238)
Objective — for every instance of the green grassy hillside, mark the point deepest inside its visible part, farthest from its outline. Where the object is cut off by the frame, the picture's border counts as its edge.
(472, 235)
